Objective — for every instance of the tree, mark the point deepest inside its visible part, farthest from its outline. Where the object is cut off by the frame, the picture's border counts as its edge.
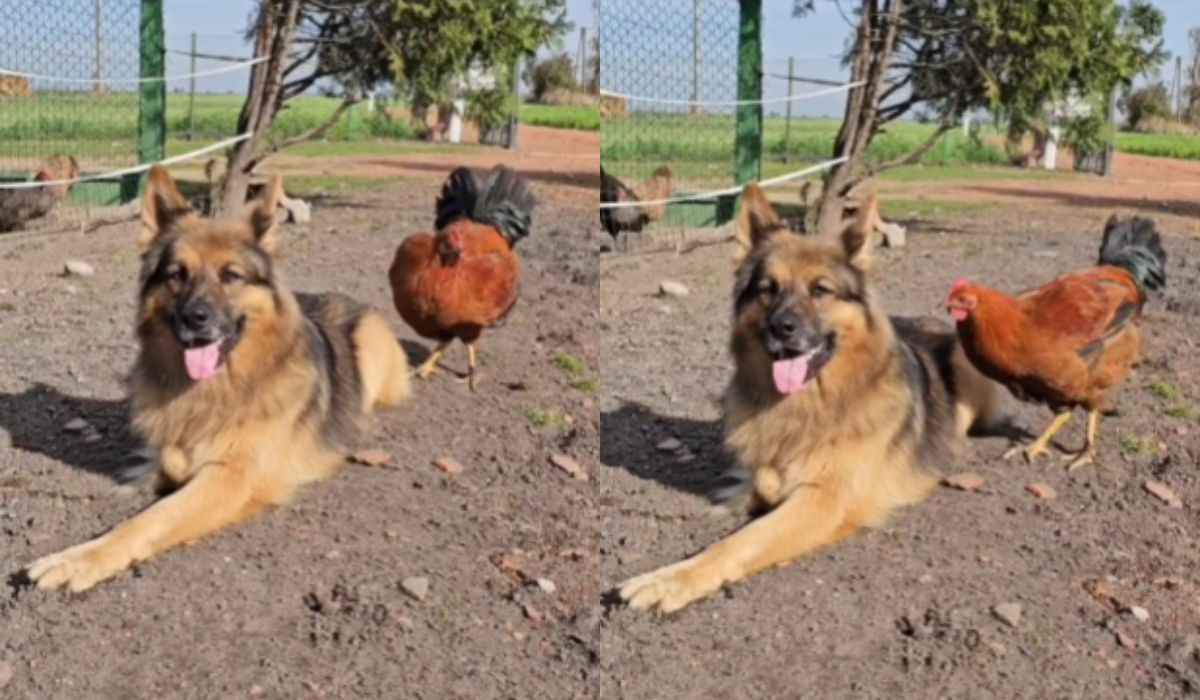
(1192, 90)
(950, 57)
(436, 40)
(1144, 103)
(555, 73)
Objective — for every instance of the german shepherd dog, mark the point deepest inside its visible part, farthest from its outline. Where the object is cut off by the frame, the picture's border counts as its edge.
(244, 390)
(835, 411)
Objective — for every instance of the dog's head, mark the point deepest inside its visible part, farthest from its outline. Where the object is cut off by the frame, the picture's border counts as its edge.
(800, 302)
(205, 283)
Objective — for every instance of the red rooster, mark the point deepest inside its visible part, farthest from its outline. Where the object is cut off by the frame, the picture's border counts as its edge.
(1069, 342)
(466, 276)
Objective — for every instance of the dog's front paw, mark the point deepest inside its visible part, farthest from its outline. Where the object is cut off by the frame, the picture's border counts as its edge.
(672, 587)
(80, 567)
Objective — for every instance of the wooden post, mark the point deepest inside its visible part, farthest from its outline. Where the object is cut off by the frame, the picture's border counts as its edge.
(787, 124)
(191, 131)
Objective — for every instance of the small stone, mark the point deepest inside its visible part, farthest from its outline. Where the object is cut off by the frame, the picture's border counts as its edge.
(894, 235)
(964, 481)
(333, 554)
(1042, 491)
(535, 616)
(668, 288)
(547, 586)
(257, 691)
(76, 425)
(1163, 493)
(925, 578)
(1139, 613)
(92, 438)
(449, 465)
(669, 445)
(6, 673)
(997, 648)
(78, 268)
(416, 586)
(1125, 640)
(569, 465)
(1008, 613)
(299, 211)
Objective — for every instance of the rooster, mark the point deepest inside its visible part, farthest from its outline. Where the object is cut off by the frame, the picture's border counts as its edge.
(20, 206)
(466, 276)
(1067, 343)
(618, 219)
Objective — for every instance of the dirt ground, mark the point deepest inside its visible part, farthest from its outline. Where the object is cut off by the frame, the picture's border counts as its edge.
(906, 610)
(307, 601)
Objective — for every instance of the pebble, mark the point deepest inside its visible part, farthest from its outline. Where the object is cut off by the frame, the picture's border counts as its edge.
(1163, 493)
(416, 586)
(669, 445)
(449, 465)
(547, 586)
(569, 465)
(669, 288)
(1008, 613)
(78, 268)
(1140, 613)
(925, 578)
(997, 648)
(1125, 640)
(76, 425)
(6, 673)
(1042, 491)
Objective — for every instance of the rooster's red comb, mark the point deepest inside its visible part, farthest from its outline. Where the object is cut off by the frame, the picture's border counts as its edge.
(959, 284)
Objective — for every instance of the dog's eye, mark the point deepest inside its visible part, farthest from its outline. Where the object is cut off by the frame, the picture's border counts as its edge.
(232, 275)
(177, 274)
(766, 285)
(822, 289)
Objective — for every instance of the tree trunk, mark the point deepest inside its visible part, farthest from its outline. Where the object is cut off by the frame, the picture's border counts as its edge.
(872, 55)
(275, 31)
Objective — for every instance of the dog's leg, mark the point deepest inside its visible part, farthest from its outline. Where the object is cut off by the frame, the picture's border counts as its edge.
(219, 495)
(809, 518)
(382, 364)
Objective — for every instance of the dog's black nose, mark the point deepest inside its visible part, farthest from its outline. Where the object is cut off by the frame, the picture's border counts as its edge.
(785, 325)
(197, 315)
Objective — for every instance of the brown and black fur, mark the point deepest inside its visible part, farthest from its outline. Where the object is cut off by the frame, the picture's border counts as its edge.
(299, 376)
(888, 406)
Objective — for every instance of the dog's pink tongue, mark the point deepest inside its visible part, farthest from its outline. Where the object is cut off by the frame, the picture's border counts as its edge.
(790, 375)
(202, 362)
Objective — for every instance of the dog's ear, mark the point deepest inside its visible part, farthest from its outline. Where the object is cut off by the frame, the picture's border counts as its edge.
(261, 215)
(858, 236)
(757, 222)
(162, 205)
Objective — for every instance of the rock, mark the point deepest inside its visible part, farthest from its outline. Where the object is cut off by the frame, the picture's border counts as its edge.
(6, 673)
(547, 586)
(997, 648)
(78, 268)
(76, 425)
(894, 235)
(964, 481)
(1125, 640)
(535, 616)
(257, 691)
(1163, 493)
(669, 445)
(1042, 491)
(92, 438)
(416, 586)
(448, 465)
(1139, 613)
(667, 288)
(1183, 650)
(925, 578)
(1008, 613)
(298, 210)
(569, 465)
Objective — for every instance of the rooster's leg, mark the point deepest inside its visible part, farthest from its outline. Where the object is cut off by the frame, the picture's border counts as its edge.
(1038, 447)
(471, 366)
(1088, 454)
(429, 367)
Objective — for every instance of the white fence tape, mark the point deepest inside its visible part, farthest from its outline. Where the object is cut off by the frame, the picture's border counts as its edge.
(734, 103)
(128, 171)
(731, 190)
(165, 78)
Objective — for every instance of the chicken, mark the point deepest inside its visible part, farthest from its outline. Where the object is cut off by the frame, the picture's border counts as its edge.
(618, 219)
(466, 276)
(1068, 343)
(20, 206)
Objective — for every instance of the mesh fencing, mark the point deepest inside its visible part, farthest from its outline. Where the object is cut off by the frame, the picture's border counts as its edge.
(676, 52)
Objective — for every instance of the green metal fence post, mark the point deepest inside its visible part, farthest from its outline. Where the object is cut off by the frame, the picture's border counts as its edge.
(748, 148)
(152, 105)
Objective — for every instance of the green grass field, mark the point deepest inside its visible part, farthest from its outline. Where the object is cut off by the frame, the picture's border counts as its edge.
(581, 118)
(1162, 146)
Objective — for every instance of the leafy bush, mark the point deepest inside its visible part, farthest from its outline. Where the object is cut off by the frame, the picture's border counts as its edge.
(557, 72)
(1146, 102)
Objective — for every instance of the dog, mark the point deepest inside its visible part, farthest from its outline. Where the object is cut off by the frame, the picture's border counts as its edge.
(244, 390)
(836, 413)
